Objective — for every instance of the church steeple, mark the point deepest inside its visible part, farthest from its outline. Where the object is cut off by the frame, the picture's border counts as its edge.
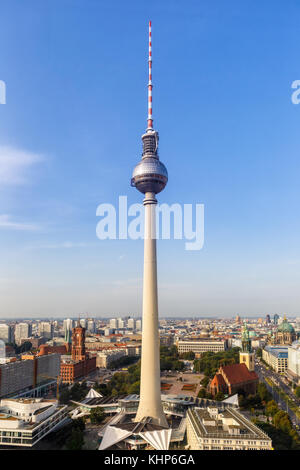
(246, 353)
(246, 342)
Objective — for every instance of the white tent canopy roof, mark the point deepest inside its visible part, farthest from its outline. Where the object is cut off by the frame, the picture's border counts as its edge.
(93, 394)
(160, 440)
(234, 400)
(112, 436)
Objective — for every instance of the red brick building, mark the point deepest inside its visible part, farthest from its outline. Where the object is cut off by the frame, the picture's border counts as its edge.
(79, 364)
(45, 349)
(234, 378)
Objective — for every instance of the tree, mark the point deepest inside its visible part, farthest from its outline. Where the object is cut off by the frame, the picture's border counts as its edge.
(205, 381)
(25, 347)
(210, 362)
(134, 388)
(79, 423)
(75, 441)
(258, 352)
(271, 408)
(263, 392)
(97, 415)
(64, 395)
(297, 392)
(219, 396)
(188, 356)
(202, 393)
(282, 421)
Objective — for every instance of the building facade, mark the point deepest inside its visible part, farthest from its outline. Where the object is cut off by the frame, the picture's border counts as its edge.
(22, 331)
(6, 333)
(25, 421)
(293, 369)
(276, 357)
(46, 329)
(199, 346)
(21, 375)
(214, 429)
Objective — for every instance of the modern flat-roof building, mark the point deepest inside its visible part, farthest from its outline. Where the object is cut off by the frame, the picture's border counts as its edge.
(106, 357)
(46, 329)
(216, 429)
(25, 421)
(199, 346)
(293, 370)
(23, 375)
(6, 333)
(276, 357)
(22, 331)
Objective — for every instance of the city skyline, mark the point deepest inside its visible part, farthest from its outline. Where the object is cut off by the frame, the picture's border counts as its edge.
(69, 136)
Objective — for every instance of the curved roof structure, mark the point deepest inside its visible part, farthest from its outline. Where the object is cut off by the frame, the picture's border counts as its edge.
(285, 327)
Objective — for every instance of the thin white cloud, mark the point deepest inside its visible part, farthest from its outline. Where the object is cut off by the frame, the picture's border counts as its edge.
(14, 165)
(7, 223)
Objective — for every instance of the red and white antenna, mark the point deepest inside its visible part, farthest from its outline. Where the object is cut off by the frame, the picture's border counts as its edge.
(150, 119)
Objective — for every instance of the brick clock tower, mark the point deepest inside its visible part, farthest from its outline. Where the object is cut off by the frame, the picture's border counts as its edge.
(78, 343)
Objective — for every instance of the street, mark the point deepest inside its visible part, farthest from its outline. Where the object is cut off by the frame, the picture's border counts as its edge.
(264, 373)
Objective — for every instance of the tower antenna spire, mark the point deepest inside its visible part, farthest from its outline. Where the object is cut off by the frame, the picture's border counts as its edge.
(150, 118)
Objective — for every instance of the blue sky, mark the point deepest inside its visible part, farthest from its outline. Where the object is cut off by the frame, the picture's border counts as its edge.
(76, 73)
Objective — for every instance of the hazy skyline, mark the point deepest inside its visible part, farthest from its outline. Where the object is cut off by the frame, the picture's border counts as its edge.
(76, 106)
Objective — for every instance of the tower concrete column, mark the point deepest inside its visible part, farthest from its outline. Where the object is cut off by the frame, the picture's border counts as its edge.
(150, 393)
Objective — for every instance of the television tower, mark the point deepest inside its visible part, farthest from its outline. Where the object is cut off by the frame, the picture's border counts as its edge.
(150, 177)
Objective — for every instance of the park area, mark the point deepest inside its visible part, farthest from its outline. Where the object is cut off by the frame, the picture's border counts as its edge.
(181, 384)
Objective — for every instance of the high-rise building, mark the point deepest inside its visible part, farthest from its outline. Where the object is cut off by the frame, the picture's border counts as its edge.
(83, 322)
(46, 329)
(131, 323)
(22, 331)
(150, 177)
(138, 325)
(6, 333)
(276, 318)
(121, 323)
(91, 326)
(68, 326)
(268, 319)
(113, 323)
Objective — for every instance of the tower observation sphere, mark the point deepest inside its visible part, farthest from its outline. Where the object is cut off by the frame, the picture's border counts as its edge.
(150, 174)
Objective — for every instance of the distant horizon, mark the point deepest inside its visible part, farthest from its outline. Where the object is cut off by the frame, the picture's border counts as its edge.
(215, 317)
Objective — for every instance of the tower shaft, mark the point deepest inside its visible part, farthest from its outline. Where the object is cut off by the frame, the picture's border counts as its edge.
(150, 392)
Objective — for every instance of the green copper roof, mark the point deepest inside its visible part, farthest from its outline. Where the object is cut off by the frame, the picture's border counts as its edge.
(286, 327)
